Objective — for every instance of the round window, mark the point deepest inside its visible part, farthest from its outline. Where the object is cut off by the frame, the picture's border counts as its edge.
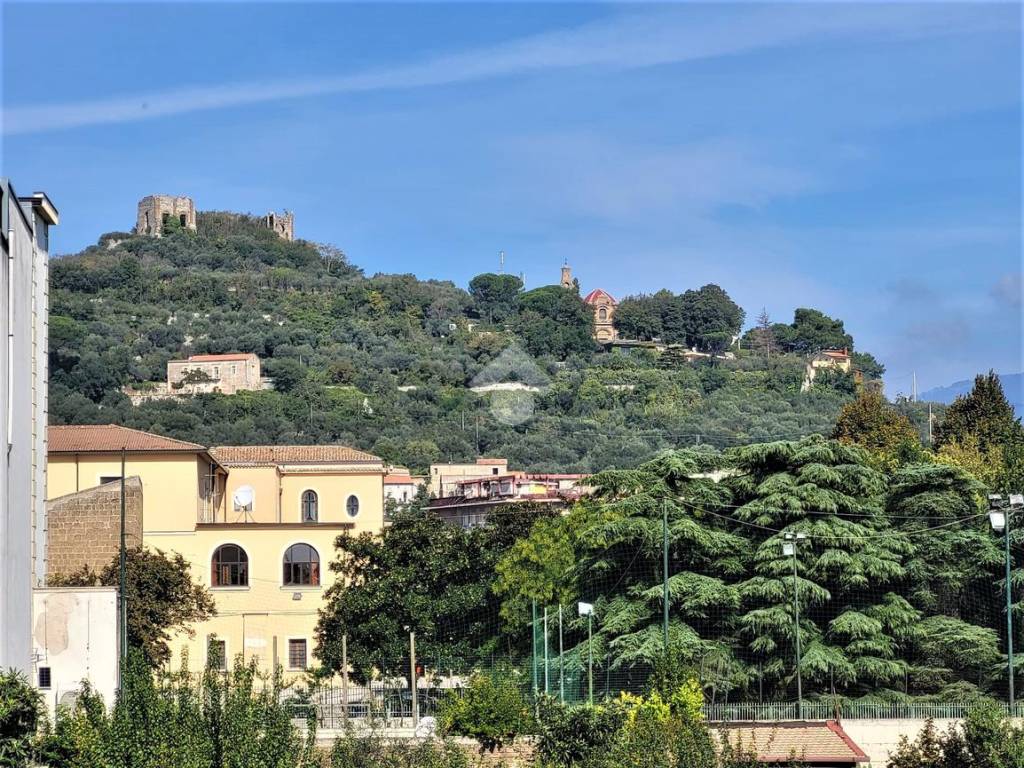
(352, 506)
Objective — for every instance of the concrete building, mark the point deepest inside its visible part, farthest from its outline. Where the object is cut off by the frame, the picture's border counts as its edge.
(256, 523)
(474, 500)
(444, 478)
(24, 376)
(74, 638)
(827, 359)
(155, 211)
(400, 486)
(228, 374)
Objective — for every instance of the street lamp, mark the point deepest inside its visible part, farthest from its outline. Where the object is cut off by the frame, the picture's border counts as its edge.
(789, 547)
(999, 518)
(587, 609)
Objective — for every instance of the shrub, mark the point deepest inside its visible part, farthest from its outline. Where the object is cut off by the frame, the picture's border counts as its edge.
(20, 712)
(577, 736)
(986, 739)
(371, 751)
(491, 709)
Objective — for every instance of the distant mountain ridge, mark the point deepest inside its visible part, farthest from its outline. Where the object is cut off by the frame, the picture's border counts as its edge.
(1013, 385)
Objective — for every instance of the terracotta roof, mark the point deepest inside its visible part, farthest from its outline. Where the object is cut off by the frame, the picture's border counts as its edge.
(217, 358)
(106, 438)
(596, 294)
(400, 480)
(823, 743)
(269, 455)
(839, 353)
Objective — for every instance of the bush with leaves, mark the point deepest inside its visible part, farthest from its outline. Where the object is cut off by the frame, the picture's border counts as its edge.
(577, 736)
(20, 713)
(986, 739)
(372, 751)
(227, 720)
(491, 709)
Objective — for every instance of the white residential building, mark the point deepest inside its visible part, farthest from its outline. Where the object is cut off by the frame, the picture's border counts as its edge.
(24, 279)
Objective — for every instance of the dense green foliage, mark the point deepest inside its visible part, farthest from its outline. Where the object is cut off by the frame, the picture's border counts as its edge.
(162, 597)
(422, 574)
(705, 319)
(490, 709)
(339, 344)
(227, 720)
(20, 707)
(986, 739)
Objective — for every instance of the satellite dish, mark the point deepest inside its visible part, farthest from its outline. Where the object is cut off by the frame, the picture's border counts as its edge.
(243, 498)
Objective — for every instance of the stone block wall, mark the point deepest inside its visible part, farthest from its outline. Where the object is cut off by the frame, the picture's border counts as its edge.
(84, 528)
(154, 208)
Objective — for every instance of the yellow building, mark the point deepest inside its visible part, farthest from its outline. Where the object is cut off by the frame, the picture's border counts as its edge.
(262, 542)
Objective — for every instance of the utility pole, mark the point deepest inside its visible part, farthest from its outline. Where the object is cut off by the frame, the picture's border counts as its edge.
(789, 548)
(123, 578)
(664, 573)
(913, 390)
(930, 441)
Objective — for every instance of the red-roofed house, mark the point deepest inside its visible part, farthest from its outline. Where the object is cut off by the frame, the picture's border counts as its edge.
(603, 305)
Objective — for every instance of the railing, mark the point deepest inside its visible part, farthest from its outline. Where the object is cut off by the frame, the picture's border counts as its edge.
(819, 710)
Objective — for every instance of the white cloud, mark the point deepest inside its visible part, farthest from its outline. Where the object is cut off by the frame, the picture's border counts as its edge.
(630, 40)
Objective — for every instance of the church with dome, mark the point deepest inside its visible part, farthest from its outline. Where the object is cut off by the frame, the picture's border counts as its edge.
(603, 305)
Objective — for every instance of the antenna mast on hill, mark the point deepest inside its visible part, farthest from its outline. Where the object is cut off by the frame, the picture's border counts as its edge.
(913, 387)
(501, 262)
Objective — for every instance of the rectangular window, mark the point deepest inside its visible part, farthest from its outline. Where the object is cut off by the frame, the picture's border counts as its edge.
(104, 479)
(44, 677)
(216, 654)
(297, 654)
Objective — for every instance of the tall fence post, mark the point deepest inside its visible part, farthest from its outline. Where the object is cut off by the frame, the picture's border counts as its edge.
(533, 646)
(344, 679)
(412, 681)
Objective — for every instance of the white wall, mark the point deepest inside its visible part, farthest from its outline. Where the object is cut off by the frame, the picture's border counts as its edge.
(74, 633)
(23, 383)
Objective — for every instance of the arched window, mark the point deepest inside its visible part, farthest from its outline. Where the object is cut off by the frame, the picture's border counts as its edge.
(602, 314)
(229, 567)
(310, 506)
(352, 506)
(301, 566)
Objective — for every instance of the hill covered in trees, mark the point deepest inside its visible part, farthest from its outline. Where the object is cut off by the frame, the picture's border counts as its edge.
(385, 362)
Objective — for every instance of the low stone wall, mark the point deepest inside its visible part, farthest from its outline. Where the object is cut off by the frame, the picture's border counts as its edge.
(84, 528)
(518, 755)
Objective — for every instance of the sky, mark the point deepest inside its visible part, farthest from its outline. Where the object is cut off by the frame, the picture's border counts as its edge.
(863, 159)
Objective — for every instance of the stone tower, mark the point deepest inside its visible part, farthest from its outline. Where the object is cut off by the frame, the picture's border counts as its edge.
(156, 210)
(281, 223)
(566, 276)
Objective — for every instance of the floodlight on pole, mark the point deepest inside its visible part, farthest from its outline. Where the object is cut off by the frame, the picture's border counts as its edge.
(999, 517)
(789, 550)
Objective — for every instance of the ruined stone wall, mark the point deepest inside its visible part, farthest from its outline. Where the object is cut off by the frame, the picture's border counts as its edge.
(282, 224)
(85, 527)
(154, 208)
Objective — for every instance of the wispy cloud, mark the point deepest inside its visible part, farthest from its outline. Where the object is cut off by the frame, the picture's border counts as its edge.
(624, 41)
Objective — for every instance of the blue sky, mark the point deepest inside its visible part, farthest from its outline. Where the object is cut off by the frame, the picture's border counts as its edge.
(862, 159)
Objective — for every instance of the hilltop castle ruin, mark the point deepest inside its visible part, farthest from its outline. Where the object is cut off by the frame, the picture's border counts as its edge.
(155, 211)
